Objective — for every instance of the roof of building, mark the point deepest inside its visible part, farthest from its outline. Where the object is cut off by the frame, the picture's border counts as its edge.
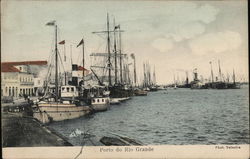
(26, 63)
(9, 66)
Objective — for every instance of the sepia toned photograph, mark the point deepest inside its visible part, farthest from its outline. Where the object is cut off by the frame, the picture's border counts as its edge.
(124, 73)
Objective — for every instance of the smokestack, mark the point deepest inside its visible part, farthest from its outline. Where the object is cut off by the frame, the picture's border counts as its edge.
(74, 75)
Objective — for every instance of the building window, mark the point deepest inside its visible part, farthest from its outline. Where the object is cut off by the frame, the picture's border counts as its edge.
(67, 89)
(9, 91)
(13, 91)
(72, 89)
(20, 68)
(63, 89)
(6, 90)
(16, 92)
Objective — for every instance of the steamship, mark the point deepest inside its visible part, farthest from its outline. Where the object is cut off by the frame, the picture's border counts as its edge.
(62, 102)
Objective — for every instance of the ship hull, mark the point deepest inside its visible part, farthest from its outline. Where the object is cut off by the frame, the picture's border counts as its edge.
(118, 92)
(141, 94)
(58, 112)
(100, 107)
(100, 103)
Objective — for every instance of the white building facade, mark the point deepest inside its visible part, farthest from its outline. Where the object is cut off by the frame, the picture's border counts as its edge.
(17, 79)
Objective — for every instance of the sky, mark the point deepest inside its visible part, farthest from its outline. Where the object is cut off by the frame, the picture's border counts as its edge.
(174, 36)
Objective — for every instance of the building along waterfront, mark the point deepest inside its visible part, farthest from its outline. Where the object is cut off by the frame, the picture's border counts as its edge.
(18, 77)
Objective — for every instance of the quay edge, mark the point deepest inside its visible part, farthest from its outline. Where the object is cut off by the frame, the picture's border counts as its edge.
(24, 131)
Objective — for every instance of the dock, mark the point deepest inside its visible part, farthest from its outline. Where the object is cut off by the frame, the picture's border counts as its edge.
(25, 131)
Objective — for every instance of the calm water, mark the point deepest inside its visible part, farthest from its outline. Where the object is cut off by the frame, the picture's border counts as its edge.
(176, 117)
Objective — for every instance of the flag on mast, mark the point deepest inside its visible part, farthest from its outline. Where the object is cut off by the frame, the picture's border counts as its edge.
(52, 23)
(62, 42)
(80, 43)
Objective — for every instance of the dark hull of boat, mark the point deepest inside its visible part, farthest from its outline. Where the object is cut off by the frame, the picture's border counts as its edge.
(118, 92)
(153, 89)
(222, 85)
(184, 86)
(140, 93)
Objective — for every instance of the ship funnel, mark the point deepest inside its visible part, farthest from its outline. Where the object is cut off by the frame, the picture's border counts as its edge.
(74, 74)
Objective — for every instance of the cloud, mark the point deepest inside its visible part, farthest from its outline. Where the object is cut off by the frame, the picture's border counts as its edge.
(185, 21)
(187, 31)
(162, 44)
(205, 13)
(215, 42)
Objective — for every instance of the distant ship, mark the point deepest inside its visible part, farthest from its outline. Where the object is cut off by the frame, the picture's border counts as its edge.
(219, 83)
(149, 82)
(222, 84)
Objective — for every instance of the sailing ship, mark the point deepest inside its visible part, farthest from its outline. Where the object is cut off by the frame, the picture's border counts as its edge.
(149, 84)
(63, 101)
(95, 95)
(220, 82)
(119, 88)
(137, 90)
(186, 82)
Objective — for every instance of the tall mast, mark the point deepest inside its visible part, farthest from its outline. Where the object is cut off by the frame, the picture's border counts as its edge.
(227, 77)
(83, 62)
(71, 61)
(115, 53)
(128, 74)
(134, 71)
(174, 79)
(144, 81)
(178, 78)
(56, 62)
(212, 75)
(233, 77)
(154, 76)
(120, 50)
(149, 74)
(186, 77)
(109, 62)
(124, 74)
(219, 71)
